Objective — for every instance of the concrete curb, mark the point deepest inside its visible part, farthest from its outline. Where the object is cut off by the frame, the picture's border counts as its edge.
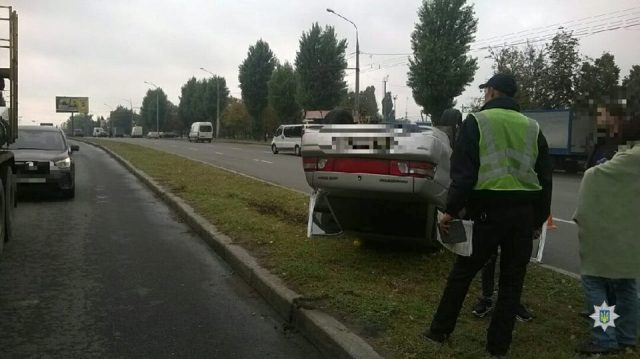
(331, 337)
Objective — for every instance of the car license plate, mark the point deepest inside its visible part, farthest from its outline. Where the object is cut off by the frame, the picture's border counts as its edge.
(32, 180)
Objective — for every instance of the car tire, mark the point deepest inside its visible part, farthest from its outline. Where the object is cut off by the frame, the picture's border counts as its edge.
(11, 202)
(296, 150)
(274, 149)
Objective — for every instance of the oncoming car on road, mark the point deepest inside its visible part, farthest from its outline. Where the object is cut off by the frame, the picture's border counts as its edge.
(201, 131)
(43, 159)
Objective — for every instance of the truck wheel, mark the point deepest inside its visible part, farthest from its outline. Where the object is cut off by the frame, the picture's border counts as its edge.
(3, 216)
(10, 198)
(274, 149)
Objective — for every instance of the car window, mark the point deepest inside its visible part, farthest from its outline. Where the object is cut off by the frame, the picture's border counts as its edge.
(206, 128)
(278, 132)
(39, 140)
(296, 131)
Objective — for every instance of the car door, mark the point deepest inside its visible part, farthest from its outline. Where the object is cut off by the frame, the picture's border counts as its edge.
(278, 138)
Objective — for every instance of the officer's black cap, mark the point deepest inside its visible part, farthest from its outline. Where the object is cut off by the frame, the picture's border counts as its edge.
(502, 82)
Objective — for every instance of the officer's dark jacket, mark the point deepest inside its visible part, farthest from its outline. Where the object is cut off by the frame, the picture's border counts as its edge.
(465, 163)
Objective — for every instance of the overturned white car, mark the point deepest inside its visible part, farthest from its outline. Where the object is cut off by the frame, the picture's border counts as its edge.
(377, 181)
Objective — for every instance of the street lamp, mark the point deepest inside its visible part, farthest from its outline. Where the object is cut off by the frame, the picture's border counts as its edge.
(217, 100)
(157, 108)
(357, 100)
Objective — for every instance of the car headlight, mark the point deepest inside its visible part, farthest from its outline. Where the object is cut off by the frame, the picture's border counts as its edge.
(65, 163)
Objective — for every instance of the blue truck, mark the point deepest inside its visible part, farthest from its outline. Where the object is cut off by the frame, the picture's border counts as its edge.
(570, 137)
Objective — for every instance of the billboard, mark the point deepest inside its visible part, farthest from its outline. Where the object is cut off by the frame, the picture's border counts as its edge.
(72, 104)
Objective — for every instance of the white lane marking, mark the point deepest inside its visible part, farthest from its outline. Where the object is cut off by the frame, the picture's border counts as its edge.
(266, 151)
(236, 148)
(269, 162)
(257, 160)
(219, 153)
(563, 220)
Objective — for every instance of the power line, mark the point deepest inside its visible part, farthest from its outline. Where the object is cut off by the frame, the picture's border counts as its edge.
(519, 35)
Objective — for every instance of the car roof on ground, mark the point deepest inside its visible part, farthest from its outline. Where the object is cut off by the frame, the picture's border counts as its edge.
(41, 128)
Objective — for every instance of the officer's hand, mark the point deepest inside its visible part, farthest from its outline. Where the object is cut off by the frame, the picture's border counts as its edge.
(444, 222)
(537, 233)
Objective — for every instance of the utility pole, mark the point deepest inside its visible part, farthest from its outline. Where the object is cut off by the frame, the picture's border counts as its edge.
(384, 81)
(357, 99)
(217, 100)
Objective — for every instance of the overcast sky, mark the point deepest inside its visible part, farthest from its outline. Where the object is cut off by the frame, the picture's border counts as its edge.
(107, 49)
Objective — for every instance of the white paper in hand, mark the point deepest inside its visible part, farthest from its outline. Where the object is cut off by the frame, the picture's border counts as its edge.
(463, 248)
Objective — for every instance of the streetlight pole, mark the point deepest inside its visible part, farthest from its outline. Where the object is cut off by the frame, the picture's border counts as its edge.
(157, 108)
(217, 100)
(357, 99)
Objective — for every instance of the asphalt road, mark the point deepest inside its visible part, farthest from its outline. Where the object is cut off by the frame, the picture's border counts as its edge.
(561, 245)
(113, 274)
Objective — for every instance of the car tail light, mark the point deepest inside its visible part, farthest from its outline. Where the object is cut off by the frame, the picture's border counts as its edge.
(310, 164)
(371, 166)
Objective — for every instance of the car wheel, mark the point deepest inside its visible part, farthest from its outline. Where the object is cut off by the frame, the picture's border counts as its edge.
(10, 197)
(274, 149)
(296, 150)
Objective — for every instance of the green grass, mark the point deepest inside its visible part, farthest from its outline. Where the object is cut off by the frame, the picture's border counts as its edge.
(385, 293)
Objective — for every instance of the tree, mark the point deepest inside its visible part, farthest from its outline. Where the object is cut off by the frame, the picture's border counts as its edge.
(198, 101)
(149, 110)
(320, 65)
(528, 66)
(559, 76)
(255, 72)
(598, 79)
(236, 120)
(282, 94)
(440, 68)
(121, 119)
(388, 112)
(81, 121)
(631, 86)
(368, 104)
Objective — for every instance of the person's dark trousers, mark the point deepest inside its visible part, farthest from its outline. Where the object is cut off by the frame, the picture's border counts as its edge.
(510, 229)
(488, 277)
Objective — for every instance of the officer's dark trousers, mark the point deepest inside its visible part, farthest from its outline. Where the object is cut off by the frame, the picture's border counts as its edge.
(511, 229)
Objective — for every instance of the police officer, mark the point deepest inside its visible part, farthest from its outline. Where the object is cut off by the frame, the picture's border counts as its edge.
(501, 177)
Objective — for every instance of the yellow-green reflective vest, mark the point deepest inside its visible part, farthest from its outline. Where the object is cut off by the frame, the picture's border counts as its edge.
(508, 151)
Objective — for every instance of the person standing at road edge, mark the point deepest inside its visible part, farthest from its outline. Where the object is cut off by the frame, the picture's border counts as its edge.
(501, 176)
(607, 216)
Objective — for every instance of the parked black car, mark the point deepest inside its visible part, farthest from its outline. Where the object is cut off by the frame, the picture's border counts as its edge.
(43, 158)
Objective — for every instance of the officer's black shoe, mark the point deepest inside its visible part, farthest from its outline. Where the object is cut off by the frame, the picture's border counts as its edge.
(590, 348)
(522, 314)
(435, 337)
(483, 307)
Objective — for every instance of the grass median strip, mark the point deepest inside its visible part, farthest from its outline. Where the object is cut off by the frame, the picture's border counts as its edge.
(385, 293)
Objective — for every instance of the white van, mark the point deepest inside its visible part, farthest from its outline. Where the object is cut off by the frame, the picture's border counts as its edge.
(136, 131)
(287, 138)
(99, 132)
(201, 131)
